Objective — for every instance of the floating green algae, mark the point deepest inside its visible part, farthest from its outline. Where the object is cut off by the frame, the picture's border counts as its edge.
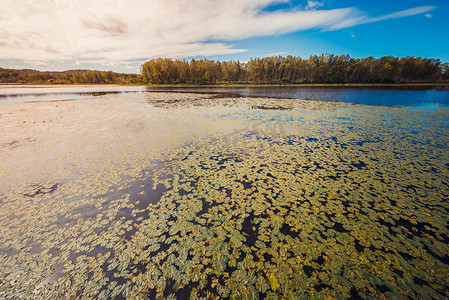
(320, 200)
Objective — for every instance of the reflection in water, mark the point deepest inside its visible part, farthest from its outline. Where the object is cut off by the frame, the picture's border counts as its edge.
(384, 96)
(8, 100)
(203, 197)
(10, 94)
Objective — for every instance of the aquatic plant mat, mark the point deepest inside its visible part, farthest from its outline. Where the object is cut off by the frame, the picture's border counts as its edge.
(165, 195)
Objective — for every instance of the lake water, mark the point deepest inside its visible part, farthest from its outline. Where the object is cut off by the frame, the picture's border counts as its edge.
(421, 97)
(384, 96)
(182, 195)
(10, 94)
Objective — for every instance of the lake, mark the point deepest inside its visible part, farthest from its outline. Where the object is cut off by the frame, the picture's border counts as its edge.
(10, 94)
(178, 195)
(428, 96)
(383, 96)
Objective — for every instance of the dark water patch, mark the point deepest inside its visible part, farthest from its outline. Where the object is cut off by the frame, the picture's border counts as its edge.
(261, 107)
(226, 190)
(320, 260)
(358, 247)
(99, 250)
(311, 139)
(141, 195)
(404, 255)
(247, 228)
(419, 227)
(223, 158)
(362, 143)
(286, 229)
(185, 291)
(42, 190)
(342, 118)
(419, 281)
(246, 185)
(443, 237)
(207, 205)
(339, 228)
(96, 94)
(308, 270)
(355, 294)
(187, 156)
(183, 192)
(321, 287)
(359, 165)
(180, 293)
(432, 170)
(382, 288)
(343, 146)
(399, 272)
(443, 259)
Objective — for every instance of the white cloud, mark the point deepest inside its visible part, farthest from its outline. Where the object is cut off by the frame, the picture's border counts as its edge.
(119, 31)
(428, 16)
(405, 13)
(364, 19)
(313, 4)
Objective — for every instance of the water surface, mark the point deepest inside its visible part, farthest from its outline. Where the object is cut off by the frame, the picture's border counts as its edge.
(420, 97)
(176, 195)
(383, 96)
(10, 94)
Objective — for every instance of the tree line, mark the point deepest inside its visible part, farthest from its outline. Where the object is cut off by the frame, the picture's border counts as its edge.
(325, 68)
(27, 76)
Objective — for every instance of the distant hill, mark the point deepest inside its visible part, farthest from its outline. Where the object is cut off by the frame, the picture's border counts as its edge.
(29, 76)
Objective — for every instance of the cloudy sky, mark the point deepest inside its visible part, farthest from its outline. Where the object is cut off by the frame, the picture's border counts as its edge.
(121, 34)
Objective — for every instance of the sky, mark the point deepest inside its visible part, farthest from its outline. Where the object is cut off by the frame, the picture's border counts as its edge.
(120, 35)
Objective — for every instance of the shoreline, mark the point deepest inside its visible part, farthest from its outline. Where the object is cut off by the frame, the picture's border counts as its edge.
(445, 84)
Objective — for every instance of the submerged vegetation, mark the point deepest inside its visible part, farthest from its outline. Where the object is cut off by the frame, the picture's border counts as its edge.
(326, 68)
(27, 76)
(210, 198)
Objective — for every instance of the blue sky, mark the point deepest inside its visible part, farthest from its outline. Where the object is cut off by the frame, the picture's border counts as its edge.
(120, 35)
(425, 35)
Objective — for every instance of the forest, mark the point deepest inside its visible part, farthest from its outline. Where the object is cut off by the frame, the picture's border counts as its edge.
(27, 76)
(325, 68)
(322, 69)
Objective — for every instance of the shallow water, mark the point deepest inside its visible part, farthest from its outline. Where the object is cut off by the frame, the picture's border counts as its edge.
(193, 196)
(11, 94)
